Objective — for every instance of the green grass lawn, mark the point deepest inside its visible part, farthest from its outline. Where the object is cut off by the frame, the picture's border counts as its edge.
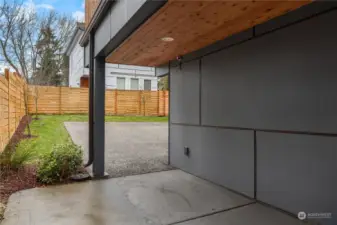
(50, 130)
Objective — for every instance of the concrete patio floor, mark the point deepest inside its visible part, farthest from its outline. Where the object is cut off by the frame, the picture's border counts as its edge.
(130, 147)
(170, 197)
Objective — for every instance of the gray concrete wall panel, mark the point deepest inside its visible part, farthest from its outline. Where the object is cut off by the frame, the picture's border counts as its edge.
(300, 14)
(223, 156)
(87, 55)
(298, 172)
(118, 16)
(285, 80)
(102, 34)
(185, 93)
(132, 6)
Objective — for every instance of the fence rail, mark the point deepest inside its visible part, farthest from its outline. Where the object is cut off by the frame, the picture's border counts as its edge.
(65, 100)
(12, 107)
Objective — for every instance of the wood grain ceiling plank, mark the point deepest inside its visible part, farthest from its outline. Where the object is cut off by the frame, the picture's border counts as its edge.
(142, 35)
(146, 27)
(162, 26)
(182, 24)
(245, 22)
(193, 25)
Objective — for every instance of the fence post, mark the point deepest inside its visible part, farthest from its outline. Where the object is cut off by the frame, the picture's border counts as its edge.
(158, 103)
(165, 94)
(60, 100)
(8, 113)
(140, 102)
(116, 99)
(15, 113)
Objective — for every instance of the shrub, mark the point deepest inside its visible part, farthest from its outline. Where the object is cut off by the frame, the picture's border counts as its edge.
(21, 157)
(15, 159)
(60, 163)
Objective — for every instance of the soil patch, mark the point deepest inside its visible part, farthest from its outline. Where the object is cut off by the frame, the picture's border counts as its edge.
(13, 181)
(20, 132)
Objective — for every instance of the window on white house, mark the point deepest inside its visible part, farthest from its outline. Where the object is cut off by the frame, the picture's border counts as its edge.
(147, 85)
(134, 84)
(120, 83)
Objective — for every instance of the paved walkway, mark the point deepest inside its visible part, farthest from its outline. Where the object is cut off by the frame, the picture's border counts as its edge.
(170, 197)
(130, 148)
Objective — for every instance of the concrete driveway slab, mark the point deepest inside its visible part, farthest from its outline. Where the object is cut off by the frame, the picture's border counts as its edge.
(158, 198)
(163, 198)
(168, 197)
(130, 148)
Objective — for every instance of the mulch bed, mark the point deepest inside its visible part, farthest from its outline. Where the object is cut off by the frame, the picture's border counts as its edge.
(20, 131)
(15, 180)
(12, 181)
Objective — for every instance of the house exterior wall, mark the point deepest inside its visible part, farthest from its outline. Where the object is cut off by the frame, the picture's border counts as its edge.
(76, 68)
(112, 71)
(259, 114)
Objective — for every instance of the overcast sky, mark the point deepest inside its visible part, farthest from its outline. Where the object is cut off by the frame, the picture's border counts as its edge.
(75, 8)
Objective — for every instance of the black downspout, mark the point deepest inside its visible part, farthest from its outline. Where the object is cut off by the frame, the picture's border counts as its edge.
(91, 100)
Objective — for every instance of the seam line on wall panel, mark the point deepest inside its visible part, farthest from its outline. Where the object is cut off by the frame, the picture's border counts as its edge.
(261, 130)
(219, 185)
(261, 35)
(276, 208)
(200, 90)
(212, 213)
(255, 165)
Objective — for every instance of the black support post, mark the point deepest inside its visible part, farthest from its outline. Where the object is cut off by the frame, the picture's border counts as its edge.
(91, 102)
(98, 117)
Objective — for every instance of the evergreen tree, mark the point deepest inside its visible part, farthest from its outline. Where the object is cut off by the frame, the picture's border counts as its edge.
(50, 60)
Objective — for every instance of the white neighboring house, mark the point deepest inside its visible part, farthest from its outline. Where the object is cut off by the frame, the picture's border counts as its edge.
(118, 76)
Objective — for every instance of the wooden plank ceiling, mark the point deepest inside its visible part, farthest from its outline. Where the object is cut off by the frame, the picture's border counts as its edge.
(194, 25)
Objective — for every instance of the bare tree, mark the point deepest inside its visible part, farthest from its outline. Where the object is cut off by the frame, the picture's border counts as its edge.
(15, 23)
(24, 42)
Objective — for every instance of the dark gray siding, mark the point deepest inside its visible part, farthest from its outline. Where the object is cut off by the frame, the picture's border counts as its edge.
(185, 93)
(300, 14)
(280, 85)
(285, 80)
(118, 16)
(114, 20)
(86, 55)
(222, 156)
(162, 70)
(297, 172)
(102, 35)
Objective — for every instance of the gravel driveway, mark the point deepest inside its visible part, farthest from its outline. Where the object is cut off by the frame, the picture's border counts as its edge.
(130, 148)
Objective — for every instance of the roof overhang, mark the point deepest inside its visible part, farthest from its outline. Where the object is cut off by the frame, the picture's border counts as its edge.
(96, 19)
(74, 40)
(181, 27)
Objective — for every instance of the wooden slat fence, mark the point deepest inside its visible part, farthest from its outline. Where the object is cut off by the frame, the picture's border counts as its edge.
(12, 107)
(65, 100)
